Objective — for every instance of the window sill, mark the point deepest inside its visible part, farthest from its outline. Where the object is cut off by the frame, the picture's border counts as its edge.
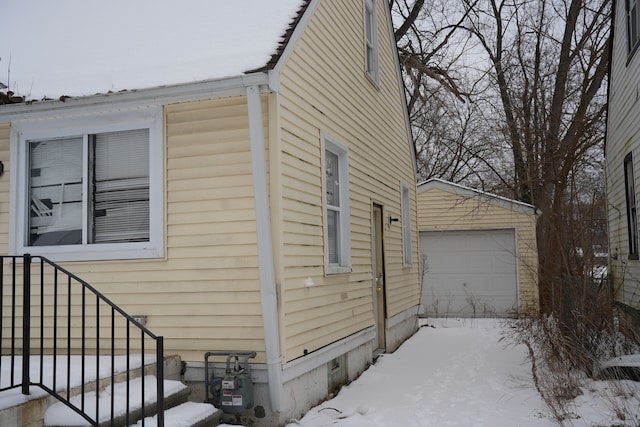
(632, 53)
(633, 257)
(95, 252)
(373, 80)
(338, 270)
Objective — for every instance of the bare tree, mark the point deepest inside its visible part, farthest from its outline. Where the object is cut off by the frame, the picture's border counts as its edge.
(549, 61)
(448, 129)
(535, 71)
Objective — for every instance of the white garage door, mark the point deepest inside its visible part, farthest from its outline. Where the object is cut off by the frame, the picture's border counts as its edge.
(468, 273)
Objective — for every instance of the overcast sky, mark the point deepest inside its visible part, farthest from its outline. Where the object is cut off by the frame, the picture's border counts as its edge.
(81, 47)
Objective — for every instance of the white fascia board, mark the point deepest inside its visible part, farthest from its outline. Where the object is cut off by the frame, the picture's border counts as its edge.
(161, 95)
(468, 192)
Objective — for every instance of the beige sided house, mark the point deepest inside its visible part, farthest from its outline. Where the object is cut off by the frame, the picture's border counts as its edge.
(272, 209)
(622, 152)
(478, 253)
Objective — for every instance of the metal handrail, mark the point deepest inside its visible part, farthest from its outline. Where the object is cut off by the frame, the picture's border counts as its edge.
(60, 316)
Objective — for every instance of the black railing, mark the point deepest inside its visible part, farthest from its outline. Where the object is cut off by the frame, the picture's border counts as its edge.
(57, 329)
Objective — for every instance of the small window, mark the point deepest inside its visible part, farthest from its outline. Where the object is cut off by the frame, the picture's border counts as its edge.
(371, 40)
(89, 192)
(632, 218)
(336, 200)
(406, 227)
(633, 24)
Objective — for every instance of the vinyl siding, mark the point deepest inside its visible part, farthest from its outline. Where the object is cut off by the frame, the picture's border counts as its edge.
(623, 137)
(204, 296)
(324, 91)
(443, 210)
(5, 138)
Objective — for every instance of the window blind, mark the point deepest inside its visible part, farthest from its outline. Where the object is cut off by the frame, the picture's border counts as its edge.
(121, 186)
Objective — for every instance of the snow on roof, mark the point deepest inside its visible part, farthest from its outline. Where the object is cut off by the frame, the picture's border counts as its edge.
(81, 47)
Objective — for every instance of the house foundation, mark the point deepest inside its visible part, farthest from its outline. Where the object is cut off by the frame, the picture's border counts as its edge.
(310, 379)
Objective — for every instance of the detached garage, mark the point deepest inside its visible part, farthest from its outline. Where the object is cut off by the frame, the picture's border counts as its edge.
(478, 253)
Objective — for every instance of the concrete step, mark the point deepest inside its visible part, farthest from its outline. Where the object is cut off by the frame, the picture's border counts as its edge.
(60, 415)
(28, 410)
(190, 414)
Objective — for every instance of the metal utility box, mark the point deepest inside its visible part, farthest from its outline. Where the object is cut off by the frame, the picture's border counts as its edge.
(233, 393)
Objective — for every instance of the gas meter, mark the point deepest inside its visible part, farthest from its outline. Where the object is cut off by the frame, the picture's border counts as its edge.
(233, 393)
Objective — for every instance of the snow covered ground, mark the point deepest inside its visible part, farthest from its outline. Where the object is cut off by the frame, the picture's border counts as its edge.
(459, 373)
(453, 373)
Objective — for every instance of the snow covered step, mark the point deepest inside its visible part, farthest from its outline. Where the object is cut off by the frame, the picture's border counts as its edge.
(188, 414)
(59, 415)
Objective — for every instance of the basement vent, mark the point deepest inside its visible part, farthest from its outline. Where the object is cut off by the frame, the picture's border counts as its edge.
(336, 374)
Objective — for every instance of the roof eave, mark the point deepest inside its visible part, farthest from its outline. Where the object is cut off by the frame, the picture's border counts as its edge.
(160, 95)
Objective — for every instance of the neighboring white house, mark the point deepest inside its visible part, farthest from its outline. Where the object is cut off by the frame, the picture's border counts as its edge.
(622, 153)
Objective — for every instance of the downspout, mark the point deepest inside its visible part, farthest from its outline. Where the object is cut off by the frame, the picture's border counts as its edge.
(268, 293)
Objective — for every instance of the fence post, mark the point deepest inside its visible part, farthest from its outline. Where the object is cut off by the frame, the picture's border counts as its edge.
(159, 380)
(26, 323)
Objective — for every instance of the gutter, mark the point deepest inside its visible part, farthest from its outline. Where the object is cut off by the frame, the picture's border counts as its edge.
(133, 99)
(269, 299)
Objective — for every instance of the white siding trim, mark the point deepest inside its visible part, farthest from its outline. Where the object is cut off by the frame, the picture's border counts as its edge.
(304, 364)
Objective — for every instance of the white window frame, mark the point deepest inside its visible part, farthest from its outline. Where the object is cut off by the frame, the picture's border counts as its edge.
(632, 214)
(344, 227)
(24, 131)
(407, 241)
(371, 46)
(633, 25)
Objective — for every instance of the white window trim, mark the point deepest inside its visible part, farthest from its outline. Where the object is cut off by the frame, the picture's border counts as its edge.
(630, 206)
(407, 241)
(341, 151)
(632, 8)
(110, 121)
(370, 8)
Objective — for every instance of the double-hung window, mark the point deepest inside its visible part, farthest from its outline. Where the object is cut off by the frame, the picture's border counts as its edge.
(632, 218)
(87, 189)
(407, 241)
(336, 201)
(371, 40)
(633, 24)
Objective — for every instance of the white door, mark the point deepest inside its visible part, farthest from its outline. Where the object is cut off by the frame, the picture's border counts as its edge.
(470, 273)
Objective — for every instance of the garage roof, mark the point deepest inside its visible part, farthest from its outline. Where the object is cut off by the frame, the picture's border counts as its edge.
(468, 192)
